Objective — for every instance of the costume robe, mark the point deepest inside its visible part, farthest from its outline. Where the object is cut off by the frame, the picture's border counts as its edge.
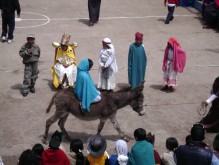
(54, 157)
(85, 89)
(110, 63)
(70, 72)
(142, 153)
(137, 62)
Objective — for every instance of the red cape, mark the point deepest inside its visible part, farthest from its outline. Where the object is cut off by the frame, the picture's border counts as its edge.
(54, 157)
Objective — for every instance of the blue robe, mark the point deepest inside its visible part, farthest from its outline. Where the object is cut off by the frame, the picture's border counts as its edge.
(85, 89)
(142, 153)
(137, 62)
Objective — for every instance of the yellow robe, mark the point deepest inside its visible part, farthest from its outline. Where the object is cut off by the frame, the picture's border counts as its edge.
(97, 160)
(58, 53)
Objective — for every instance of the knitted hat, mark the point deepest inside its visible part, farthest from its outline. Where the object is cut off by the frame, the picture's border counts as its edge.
(216, 142)
(56, 140)
(96, 145)
(139, 36)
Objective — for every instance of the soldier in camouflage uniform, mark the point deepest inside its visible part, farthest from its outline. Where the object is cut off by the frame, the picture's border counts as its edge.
(30, 52)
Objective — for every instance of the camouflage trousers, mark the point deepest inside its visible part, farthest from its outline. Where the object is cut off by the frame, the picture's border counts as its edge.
(30, 75)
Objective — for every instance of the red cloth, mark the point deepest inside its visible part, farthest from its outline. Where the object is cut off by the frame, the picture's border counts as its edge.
(157, 157)
(173, 1)
(139, 36)
(54, 157)
(216, 3)
(179, 56)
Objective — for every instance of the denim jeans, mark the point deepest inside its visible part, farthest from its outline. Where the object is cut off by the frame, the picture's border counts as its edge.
(170, 14)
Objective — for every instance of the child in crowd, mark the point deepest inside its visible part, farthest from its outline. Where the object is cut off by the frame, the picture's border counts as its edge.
(168, 157)
(142, 152)
(151, 138)
(28, 157)
(1, 163)
(215, 158)
(38, 150)
(54, 155)
(122, 154)
(76, 156)
(97, 151)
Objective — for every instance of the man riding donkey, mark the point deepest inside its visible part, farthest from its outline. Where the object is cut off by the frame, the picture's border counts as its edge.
(64, 70)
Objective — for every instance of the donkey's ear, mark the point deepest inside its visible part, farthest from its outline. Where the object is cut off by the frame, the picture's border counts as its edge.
(141, 86)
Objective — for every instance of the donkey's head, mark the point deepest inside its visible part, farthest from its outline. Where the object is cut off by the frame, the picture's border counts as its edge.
(137, 102)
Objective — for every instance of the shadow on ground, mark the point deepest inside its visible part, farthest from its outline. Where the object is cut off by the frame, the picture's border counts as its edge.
(84, 21)
(157, 87)
(84, 137)
(49, 83)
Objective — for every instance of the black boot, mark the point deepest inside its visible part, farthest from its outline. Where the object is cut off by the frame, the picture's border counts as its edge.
(165, 88)
(32, 90)
(25, 94)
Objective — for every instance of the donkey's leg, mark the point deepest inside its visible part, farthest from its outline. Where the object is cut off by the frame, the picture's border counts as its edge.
(101, 125)
(49, 122)
(117, 127)
(62, 126)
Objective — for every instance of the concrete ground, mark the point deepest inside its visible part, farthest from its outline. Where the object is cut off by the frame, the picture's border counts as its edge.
(22, 120)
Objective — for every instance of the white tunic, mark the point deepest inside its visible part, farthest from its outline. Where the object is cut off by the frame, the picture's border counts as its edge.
(107, 59)
(70, 71)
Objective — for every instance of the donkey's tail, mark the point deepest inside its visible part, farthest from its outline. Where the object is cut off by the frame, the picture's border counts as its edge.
(50, 104)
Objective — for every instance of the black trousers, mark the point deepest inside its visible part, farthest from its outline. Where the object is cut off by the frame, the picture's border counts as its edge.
(170, 14)
(8, 24)
(94, 10)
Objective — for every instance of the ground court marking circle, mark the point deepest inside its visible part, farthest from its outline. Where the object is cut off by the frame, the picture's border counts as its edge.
(47, 19)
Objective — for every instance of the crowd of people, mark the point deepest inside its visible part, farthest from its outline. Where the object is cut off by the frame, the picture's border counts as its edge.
(194, 151)
(210, 13)
(67, 73)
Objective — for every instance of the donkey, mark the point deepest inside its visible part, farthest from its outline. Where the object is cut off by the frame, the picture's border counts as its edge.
(67, 103)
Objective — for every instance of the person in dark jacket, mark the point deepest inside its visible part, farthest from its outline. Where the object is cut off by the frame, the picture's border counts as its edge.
(8, 8)
(195, 151)
(211, 120)
(30, 52)
(94, 11)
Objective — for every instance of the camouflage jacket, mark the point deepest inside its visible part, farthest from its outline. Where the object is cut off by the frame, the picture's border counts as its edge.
(29, 54)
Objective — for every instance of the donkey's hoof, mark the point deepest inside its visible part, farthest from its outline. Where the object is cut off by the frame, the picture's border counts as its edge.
(68, 138)
(125, 138)
(44, 141)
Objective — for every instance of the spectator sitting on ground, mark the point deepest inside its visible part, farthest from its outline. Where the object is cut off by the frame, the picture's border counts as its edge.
(122, 154)
(168, 157)
(188, 139)
(195, 152)
(28, 157)
(215, 158)
(205, 4)
(38, 150)
(76, 156)
(211, 14)
(1, 163)
(53, 155)
(97, 154)
(151, 139)
(142, 152)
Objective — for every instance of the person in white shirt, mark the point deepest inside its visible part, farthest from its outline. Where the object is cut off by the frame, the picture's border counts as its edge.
(107, 66)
